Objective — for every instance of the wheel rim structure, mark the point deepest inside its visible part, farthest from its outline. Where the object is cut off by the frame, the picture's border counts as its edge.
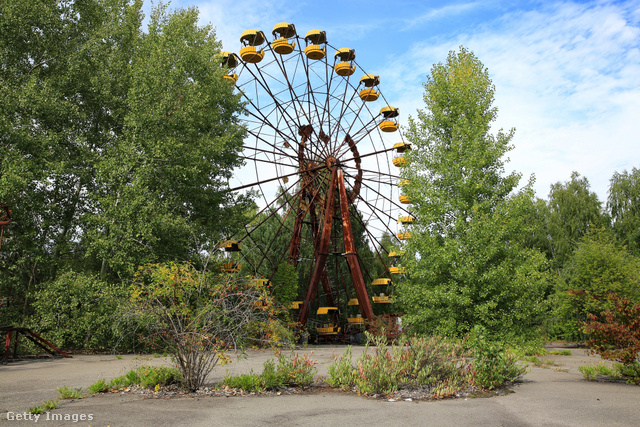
(319, 155)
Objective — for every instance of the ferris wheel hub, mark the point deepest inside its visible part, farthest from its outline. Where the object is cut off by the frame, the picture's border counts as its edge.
(332, 162)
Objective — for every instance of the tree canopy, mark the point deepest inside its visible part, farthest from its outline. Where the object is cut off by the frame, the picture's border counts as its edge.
(117, 144)
(467, 263)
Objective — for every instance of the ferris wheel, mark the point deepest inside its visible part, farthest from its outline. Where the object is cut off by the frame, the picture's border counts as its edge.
(322, 155)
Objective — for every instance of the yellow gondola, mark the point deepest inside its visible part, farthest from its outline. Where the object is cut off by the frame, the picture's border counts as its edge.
(383, 299)
(358, 320)
(229, 60)
(283, 32)
(231, 78)
(387, 125)
(381, 282)
(315, 49)
(403, 183)
(401, 147)
(369, 93)
(251, 39)
(345, 67)
(404, 199)
(327, 328)
(262, 282)
(396, 254)
(406, 219)
(397, 270)
(295, 305)
(399, 161)
(404, 236)
(230, 267)
(231, 246)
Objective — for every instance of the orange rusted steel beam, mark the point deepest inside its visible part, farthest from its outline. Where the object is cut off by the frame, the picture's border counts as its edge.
(350, 251)
(321, 253)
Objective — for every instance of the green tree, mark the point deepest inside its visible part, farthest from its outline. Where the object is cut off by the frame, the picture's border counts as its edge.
(116, 144)
(624, 207)
(598, 268)
(573, 209)
(468, 264)
(196, 316)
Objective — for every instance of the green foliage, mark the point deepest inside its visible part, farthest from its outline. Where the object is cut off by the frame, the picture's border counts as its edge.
(151, 376)
(198, 316)
(76, 310)
(559, 352)
(291, 370)
(599, 267)
(615, 334)
(117, 146)
(253, 382)
(624, 206)
(342, 373)
(143, 376)
(99, 386)
(296, 371)
(630, 371)
(591, 372)
(469, 260)
(50, 405)
(436, 364)
(36, 410)
(69, 393)
(492, 364)
(285, 284)
(573, 210)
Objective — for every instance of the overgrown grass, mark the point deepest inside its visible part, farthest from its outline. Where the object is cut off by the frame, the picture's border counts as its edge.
(69, 393)
(146, 377)
(436, 365)
(291, 370)
(628, 372)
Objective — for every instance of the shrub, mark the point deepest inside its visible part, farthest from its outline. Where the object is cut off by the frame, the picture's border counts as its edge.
(630, 371)
(147, 377)
(616, 334)
(342, 372)
(196, 316)
(492, 364)
(436, 364)
(49, 405)
(151, 376)
(591, 372)
(76, 310)
(598, 270)
(296, 371)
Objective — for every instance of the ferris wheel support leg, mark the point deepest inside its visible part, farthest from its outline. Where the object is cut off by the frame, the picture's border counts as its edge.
(350, 250)
(322, 253)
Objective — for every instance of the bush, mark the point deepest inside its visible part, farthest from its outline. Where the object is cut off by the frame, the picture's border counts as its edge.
(436, 364)
(598, 270)
(492, 364)
(197, 317)
(615, 335)
(630, 371)
(76, 310)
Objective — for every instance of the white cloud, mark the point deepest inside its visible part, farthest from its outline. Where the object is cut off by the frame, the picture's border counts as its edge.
(567, 77)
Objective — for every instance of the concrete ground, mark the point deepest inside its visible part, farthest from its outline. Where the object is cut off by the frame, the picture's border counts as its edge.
(555, 396)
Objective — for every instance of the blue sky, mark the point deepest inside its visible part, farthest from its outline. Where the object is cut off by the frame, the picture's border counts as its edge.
(567, 73)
